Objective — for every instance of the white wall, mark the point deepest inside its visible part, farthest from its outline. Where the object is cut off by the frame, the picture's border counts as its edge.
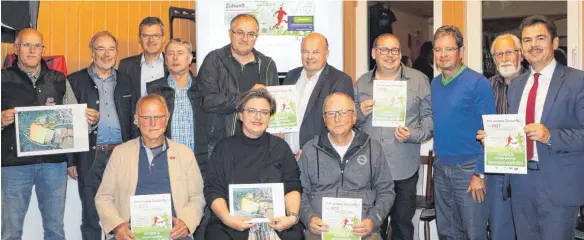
(33, 226)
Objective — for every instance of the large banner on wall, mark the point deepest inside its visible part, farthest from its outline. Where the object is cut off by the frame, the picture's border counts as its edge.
(283, 24)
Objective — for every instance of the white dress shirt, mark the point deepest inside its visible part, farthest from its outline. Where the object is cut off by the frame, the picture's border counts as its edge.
(150, 72)
(544, 81)
(304, 89)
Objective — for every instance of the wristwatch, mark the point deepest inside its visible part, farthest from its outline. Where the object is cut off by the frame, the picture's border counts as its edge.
(480, 175)
(294, 215)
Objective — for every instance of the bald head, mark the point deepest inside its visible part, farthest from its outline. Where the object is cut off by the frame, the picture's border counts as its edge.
(29, 47)
(315, 53)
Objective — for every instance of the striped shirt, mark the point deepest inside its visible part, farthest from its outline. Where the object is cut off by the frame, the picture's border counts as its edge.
(500, 90)
(182, 124)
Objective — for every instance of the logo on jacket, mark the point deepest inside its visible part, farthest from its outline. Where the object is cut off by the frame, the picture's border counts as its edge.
(362, 159)
(50, 102)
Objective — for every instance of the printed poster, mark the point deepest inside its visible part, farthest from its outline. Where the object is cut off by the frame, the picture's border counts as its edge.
(341, 214)
(261, 202)
(390, 103)
(283, 24)
(285, 119)
(151, 216)
(43, 130)
(505, 150)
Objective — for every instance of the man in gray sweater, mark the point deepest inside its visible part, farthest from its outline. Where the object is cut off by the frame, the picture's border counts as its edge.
(401, 144)
(344, 163)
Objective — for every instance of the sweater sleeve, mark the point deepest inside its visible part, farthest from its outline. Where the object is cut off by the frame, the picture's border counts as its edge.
(215, 182)
(485, 102)
(288, 167)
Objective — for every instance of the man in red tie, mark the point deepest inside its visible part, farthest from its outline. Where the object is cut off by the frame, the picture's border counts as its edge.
(545, 202)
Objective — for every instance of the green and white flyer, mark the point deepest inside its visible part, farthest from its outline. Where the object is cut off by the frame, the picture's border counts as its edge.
(151, 216)
(505, 150)
(341, 214)
(390, 103)
(285, 119)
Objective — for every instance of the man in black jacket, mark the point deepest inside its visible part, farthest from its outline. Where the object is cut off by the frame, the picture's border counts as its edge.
(30, 82)
(103, 88)
(228, 71)
(314, 81)
(148, 65)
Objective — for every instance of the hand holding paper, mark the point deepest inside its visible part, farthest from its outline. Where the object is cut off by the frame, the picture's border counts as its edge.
(317, 226)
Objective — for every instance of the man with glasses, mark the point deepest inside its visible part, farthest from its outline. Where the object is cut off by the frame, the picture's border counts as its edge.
(546, 200)
(188, 122)
(506, 51)
(104, 88)
(151, 164)
(344, 162)
(314, 80)
(401, 145)
(148, 65)
(460, 96)
(30, 82)
(229, 71)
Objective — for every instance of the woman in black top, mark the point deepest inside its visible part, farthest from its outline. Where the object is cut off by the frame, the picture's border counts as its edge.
(252, 156)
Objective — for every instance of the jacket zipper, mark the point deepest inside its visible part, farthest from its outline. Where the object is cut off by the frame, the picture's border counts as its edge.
(340, 165)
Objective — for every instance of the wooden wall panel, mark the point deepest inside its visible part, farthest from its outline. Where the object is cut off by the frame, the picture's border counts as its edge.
(67, 26)
(454, 13)
(349, 48)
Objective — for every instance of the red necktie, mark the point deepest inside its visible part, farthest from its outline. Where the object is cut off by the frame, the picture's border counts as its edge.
(530, 112)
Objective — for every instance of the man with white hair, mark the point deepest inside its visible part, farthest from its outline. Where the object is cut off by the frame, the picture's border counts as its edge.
(506, 50)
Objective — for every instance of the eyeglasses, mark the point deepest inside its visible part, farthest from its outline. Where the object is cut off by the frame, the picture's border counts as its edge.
(507, 53)
(242, 34)
(31, 45)
(102, 50)
(149, 118)
(254, 112)
(385, 51)
(448, 49)
(151, 36)
(340, 113)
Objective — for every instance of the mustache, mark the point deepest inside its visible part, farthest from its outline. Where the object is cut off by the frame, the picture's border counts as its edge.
(535, 49)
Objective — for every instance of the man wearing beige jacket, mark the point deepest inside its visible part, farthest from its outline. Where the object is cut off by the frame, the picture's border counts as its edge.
(151, 164)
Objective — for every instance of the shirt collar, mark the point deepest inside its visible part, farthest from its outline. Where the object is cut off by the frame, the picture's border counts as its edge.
(93, 74)
(446, 81)
(30, 74)
(164, 144)
(157, 60)
(401, 76)
(548, 71)
(315, 76)
(172, 82)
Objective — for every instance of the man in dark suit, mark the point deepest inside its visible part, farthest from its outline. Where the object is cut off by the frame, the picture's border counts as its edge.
(148, 65)
(546, 200)
(314, 81)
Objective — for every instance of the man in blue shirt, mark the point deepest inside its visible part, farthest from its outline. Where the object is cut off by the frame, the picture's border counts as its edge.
(460, 97)
(107, 90)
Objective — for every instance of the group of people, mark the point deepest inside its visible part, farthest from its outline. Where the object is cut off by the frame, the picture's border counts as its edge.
(155, 128)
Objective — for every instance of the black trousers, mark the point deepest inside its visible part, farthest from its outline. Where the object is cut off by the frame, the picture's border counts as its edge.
(403, 210)
(89, 178)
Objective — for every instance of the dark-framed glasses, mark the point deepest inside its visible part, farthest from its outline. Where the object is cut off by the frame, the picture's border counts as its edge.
(385, 51)
(151, 36)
